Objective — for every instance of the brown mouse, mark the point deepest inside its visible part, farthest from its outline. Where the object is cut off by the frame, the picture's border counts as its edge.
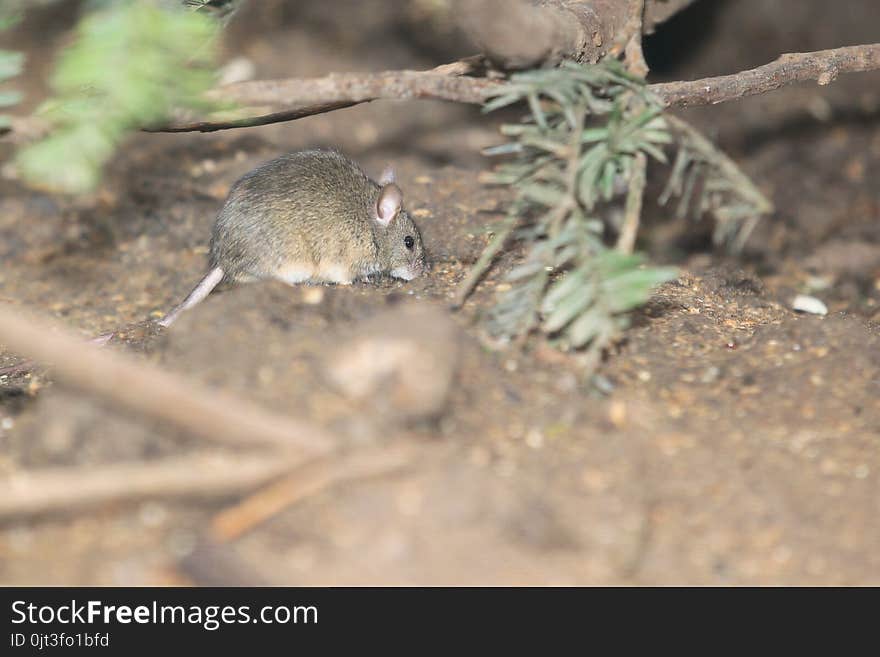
(310, 216)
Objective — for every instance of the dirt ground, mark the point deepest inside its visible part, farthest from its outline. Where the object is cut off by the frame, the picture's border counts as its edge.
(730, 440)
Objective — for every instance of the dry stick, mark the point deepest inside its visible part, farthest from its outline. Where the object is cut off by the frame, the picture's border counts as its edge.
(488, 255)
(626, 241)
(313, 96)
(823, 66)
(339, 90)
(265, 91)
(359, 88)
(317, 95)
(253, 121)
(207, 414)
(305, 482)
(632, 33)
(215, 563)
(500, 239)
(465, 66)
(55, 490)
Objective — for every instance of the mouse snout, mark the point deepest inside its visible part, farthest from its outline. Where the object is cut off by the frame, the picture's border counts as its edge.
(412, 270)
(421, 264)
(424, 265)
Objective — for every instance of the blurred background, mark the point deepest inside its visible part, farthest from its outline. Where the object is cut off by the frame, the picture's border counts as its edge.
(731, 441)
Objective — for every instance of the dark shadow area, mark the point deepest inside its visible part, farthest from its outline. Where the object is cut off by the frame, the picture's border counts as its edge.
(674, 43)
(805, 126)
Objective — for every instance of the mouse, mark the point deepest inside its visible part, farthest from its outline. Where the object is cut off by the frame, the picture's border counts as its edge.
(311, 216)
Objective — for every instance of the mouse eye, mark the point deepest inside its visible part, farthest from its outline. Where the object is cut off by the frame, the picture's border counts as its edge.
(409, 242)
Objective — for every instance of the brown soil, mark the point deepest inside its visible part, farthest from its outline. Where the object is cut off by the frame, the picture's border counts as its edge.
(730, 440)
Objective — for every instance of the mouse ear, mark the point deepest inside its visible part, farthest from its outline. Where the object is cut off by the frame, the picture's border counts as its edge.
(388, 176)
(388, 205)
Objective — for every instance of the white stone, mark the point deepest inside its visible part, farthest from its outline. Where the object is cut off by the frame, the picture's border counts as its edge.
(807, 304)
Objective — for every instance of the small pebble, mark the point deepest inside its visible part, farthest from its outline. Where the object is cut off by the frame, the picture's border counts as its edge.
(617, 414)
(819, 283)
(313, 295)
(535, 439)
(807, 304)
(603, 384)
(710, 375)
(238, 69)
(152, 514)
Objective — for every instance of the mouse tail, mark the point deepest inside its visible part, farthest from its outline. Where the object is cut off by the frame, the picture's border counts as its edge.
(204, 288)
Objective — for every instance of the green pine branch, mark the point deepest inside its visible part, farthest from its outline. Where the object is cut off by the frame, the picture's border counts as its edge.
(131, 64)
(582, 149)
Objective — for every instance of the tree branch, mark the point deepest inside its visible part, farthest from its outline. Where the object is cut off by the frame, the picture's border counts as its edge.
(632, 39)
(296, 98)
(823, 66)
(318, 95)
(210, 415)
(341, 90)
(55, 490)
(307, 481)
(289, 479)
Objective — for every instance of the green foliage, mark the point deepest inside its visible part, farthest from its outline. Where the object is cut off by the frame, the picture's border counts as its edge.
(575, 153)
(706, 181)
(11, 62)
(221, 9)
(130, 65)
(580, 154)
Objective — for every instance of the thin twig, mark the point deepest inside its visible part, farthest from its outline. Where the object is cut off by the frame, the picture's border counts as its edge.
(311, 479)
(56, 490)
(339, 90)
(207, 414)
(488, 255)
(254, 121)
(823, 66)
(361, 87)
(626, 241)
(633, 55)
(464, 66)
(572, 152)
